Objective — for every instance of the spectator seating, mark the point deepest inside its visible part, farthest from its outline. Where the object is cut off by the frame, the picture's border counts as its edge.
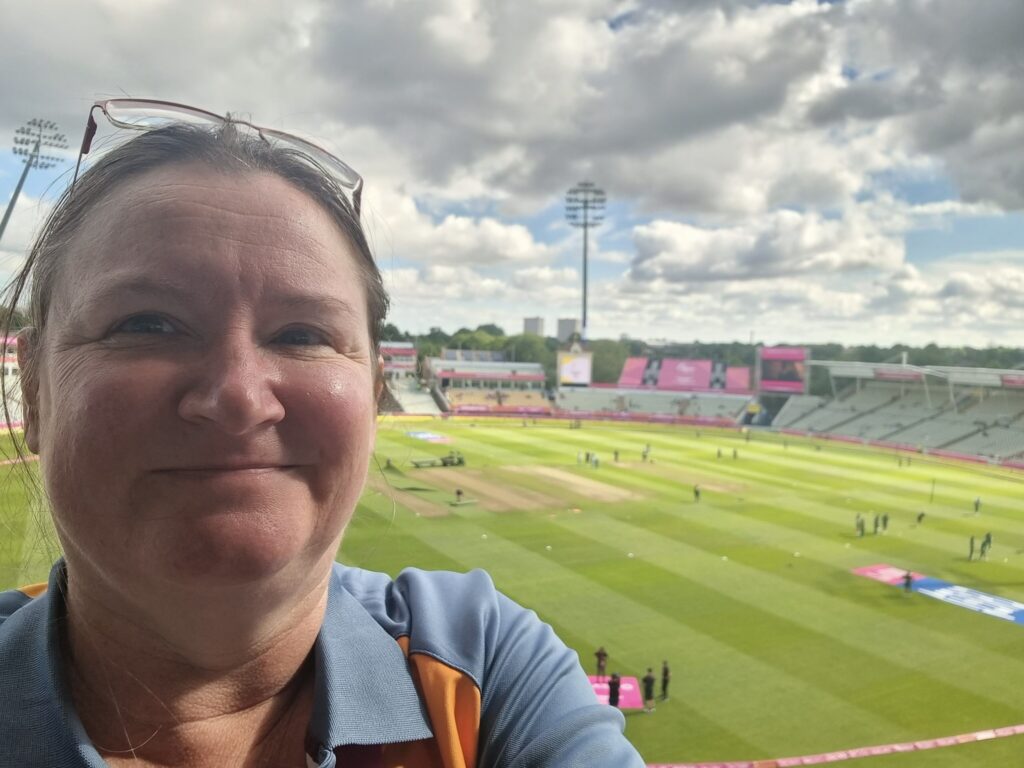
(412, 398)
(795, 408)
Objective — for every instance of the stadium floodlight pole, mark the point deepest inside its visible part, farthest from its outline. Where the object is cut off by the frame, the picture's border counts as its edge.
(584, 208)
(29, 140)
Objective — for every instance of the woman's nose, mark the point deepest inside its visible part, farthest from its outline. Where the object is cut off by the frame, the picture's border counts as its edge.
(234, 390)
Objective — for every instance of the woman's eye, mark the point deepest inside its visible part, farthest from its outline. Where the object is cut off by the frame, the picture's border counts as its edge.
(144, 324)
(300, 337)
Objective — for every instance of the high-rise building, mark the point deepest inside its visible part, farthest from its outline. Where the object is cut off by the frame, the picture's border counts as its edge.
(533, 325)
(567, 326)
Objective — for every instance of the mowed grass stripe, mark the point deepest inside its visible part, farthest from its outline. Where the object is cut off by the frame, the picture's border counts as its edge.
(867, 471)
(611, 617)
(746, 533)
(720, 633)
(857, 632)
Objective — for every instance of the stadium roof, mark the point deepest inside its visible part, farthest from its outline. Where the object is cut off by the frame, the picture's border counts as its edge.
(973, 377)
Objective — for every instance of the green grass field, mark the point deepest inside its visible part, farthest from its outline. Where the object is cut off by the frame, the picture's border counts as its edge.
(774, 653)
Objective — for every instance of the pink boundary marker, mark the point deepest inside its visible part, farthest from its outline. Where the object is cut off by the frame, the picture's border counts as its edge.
(858, 752)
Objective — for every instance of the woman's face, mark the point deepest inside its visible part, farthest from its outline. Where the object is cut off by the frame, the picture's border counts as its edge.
(205, 398)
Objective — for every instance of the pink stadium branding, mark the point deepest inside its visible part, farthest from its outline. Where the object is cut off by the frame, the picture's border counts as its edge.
(737, 379)
(783, 369)
(633, 372)
(629, 692)
(684, 374)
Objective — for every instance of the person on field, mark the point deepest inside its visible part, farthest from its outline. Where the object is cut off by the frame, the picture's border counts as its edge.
(614, 684)
(970, 549)
(920, 518)
(602, 661)
(878, 523)
(986, 545)
(908, 581)
(201, 374)
(648, 683)
(977, 505)
(885, 522)
(696, 494)
(666, 677)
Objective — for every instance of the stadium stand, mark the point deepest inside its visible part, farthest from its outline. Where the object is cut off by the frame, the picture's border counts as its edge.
(977, 412)
(832, 415)
(474, 384)
(413, 398)
(795, 408)
(697, 405)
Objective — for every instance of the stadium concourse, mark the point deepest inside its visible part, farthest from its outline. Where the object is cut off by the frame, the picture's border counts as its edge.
(970, 413)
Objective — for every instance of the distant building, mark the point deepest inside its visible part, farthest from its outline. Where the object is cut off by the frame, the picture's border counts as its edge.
(534, 325)
(567, 326)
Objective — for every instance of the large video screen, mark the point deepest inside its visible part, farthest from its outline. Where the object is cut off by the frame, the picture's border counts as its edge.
(574, 368)
(783, 369)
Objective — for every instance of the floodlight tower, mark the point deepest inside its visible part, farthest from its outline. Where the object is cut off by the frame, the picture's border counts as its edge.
(29, 140)
(584, 208)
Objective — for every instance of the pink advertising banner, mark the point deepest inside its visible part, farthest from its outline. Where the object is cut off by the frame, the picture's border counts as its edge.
(1012, 380)
(783, 353)
(684, 374)
(737, 379)
(629, 691)
(633, 372)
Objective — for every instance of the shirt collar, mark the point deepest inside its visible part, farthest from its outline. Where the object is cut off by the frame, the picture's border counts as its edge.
(364, 692)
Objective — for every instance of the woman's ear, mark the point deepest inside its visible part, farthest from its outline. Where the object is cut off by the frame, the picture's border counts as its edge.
(27, 352)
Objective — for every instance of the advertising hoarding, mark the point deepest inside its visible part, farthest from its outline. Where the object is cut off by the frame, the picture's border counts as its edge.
(633, 372)
(678, 374)
(737, 379)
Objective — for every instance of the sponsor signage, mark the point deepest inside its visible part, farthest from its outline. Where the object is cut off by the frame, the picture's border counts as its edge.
(737, 379)
(1013, 380)
(629, 691)
(633, 372)
(991, 605)
(684, 374)
(430, 437)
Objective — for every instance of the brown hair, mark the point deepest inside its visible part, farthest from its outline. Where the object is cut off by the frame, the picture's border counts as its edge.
(225, 149)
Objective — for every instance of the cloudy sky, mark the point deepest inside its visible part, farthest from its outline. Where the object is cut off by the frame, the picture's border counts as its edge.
(806, 171)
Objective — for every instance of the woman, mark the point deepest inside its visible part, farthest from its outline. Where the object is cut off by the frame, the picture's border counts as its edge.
(200, 382)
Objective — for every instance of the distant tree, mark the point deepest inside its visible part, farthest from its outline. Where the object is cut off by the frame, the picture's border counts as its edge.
(491, 329)
(437, 336)
(390, 332)
(609, 357)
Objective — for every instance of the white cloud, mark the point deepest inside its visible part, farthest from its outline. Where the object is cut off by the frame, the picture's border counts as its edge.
(785, 243)
(751, 146)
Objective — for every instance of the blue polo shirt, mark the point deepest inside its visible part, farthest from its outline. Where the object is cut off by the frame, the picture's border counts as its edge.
(429, 669)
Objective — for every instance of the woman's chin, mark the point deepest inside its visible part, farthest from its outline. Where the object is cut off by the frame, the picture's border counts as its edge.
(222, 553)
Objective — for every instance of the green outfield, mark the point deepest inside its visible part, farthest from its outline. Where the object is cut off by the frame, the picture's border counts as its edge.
(777, 649)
